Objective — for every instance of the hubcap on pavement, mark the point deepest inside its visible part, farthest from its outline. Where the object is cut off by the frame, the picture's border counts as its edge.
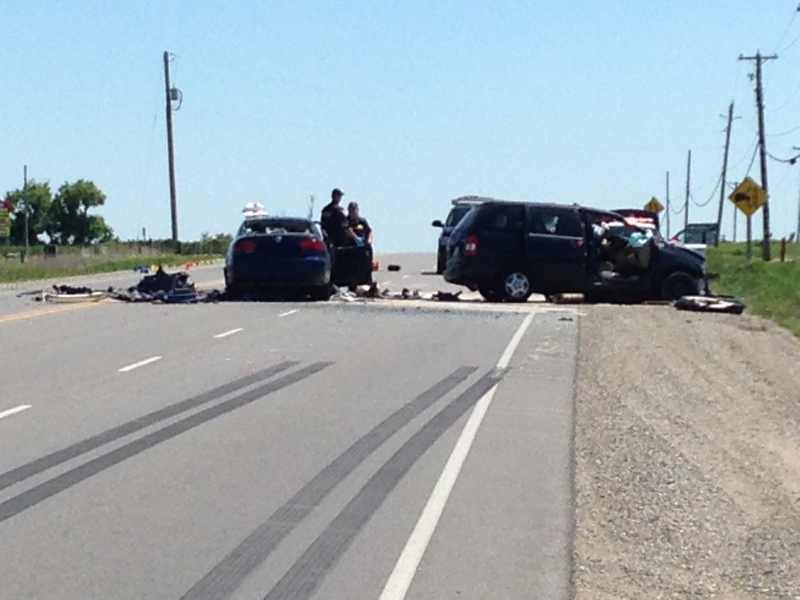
(517, 285)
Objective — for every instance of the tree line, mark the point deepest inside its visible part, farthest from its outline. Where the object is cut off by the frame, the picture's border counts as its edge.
(63, 217)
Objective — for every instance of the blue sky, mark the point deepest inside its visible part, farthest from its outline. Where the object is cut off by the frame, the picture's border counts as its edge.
(403, 105)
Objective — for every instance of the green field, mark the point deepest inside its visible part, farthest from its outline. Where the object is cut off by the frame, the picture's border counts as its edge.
(69, 264)
(770, 289)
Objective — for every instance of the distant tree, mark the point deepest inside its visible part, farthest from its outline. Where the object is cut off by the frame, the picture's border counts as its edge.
(39, 201)
(69, 219)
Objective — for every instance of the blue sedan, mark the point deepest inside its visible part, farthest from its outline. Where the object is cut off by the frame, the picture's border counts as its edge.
(278, 255)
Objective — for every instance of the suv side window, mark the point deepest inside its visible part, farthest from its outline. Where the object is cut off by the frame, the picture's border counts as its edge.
(554, 221)
(506, 218)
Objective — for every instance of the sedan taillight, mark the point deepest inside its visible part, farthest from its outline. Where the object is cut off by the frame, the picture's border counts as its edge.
(312, 244)
(245, 246)
(471, 245)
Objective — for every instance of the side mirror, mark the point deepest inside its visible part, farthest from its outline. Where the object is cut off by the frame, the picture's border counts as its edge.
(437, 223)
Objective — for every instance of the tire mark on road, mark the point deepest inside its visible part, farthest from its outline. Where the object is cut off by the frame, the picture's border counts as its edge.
(42, 492)
(303, 578)
(226, 577)
(49, 461)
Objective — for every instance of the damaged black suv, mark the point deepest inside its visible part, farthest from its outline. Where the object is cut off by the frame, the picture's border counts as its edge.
(510, 250)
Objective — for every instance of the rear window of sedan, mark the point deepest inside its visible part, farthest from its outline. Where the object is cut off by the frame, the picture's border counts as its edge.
(276, 226)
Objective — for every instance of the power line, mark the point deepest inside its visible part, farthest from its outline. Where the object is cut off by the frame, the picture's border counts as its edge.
(790, 161)
(710, 198)
(752, 160)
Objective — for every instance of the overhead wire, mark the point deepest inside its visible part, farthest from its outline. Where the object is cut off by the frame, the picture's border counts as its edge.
(752, 160)
(790, 161)
(783, 132)
(710, 198)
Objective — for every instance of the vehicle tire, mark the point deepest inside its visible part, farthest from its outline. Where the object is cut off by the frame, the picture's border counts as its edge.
(677, 285)
(441, 261)
(514, 285)
(488, 293)
(233, 292)
(322, 292)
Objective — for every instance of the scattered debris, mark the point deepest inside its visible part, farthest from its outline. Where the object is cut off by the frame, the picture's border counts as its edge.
(446, 296)
(721, 304)
(393, 268)
(367, 291)
(568, 298)
(71, 295)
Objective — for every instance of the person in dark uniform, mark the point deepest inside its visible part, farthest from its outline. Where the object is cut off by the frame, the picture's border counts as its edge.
(363, 231)
(334, 221)
(347, 249)
(359, 224)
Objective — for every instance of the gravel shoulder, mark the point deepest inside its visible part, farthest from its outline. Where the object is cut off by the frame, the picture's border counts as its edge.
(687, 456)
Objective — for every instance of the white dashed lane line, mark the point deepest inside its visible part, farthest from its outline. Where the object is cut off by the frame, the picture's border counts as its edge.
(289, 312)
(227, 333)
(14, 411)
(141, 363)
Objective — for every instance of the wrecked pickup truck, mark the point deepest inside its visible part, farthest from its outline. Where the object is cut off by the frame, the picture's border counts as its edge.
(510, 250)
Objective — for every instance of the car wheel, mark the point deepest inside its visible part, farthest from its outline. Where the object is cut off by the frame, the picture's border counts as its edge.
(678, 285)
(514, 286)
(233, 292)
(440, 263)
(322, 292)
(488, 293)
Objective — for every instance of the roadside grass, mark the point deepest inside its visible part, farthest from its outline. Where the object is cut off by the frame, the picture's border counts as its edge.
(38, 267)
(771, 289)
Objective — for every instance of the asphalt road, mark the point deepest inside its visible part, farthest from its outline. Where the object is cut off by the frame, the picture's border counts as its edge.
(390, 449)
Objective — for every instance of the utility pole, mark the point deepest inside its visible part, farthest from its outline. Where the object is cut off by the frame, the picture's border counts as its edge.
(797, 233)
(311, 209)
(722, 184)
(27, 208)
(762, 148)
(688, 180)
(172, 94)
(668, 208)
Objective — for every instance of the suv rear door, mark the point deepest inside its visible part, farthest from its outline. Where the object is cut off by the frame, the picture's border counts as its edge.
(499, 228)
(555, 246)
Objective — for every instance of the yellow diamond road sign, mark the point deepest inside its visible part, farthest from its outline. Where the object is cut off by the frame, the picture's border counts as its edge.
(5, 223)
(748, 196)
(654, 205)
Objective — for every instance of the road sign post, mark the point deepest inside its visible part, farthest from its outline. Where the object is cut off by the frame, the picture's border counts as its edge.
(748, 198)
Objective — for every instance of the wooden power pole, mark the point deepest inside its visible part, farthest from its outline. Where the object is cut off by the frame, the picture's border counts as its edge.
(688, 180)
(668, 208)
(173, 200)
(722, 185)
(762, 148)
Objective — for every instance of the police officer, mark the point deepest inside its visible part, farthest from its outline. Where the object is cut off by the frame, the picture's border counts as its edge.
(334, 221)
(359, 224)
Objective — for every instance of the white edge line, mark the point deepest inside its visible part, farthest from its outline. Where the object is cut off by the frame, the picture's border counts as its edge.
(289, 312)
(400, 580)
(13, 411)
(227, 333)
(141, 363)
(505, 358)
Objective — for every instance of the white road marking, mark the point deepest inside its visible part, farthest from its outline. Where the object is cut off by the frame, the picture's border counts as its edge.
(13, 411)
(141, 363)
(400, 580)
(406, 276)
(386, 282)
(289, 312)
(227, 333)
